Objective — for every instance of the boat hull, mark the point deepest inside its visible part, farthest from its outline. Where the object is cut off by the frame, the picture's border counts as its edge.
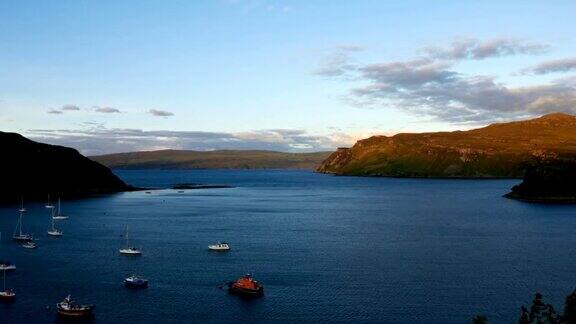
(259, 292)
(22, 239)
(7, 298)
(75, 313)
(134, 285)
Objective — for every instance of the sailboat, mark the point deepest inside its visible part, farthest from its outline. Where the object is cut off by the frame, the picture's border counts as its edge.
(19, 236)
(52, 230)
(6, 295)
(59, 215)
(48, 204)
(129, 250)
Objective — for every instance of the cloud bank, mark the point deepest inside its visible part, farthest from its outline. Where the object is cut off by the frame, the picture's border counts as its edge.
(430, 86)
(106, 110)
(99, 140)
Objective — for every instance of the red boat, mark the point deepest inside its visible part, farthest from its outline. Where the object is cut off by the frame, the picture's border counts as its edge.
(68, 308)
(246, 286)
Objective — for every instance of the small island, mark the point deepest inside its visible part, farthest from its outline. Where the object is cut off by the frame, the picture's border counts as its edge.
(551, 181)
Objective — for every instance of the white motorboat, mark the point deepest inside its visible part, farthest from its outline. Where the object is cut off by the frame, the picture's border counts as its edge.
(7, 266)
(129, 250)
(29, 245)
(220, 246)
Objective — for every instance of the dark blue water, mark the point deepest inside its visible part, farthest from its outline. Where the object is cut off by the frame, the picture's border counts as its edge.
(332, 249)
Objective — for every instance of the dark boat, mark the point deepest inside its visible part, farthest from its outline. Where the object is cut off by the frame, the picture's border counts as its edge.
(246, 286)
(6, 294)
(7, 266)
(67, 308)
(136, 282)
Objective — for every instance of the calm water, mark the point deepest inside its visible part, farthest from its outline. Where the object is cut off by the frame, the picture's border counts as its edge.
(326, 248)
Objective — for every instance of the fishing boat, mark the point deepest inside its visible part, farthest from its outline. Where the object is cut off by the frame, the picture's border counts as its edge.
(220, 246)
(68, 308)
(129, 250)
(29, 245)
(246, 286)
(136, 282)
(19, 235)
(7, 266)
(7, 295)
(59, 215)
(52, 230)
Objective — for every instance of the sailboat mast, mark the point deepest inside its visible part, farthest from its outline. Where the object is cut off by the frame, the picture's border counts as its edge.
(127, 239)
(58, 205)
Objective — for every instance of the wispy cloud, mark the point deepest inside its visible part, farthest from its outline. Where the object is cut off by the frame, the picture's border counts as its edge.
(430, 86)
(160, 113)
(552, 66)
(475, 49)
(339, 61)
(106, 110)
(70, 108)
(97, 139)
(55, 111)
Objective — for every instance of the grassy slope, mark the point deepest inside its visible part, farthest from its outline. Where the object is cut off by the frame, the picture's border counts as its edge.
(222, 159)
(499, 150)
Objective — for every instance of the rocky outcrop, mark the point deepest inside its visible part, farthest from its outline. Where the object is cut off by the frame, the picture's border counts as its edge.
(33, 170)
(496, 151)
(551, 181)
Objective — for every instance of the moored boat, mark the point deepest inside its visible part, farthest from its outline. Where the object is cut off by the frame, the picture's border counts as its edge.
(246, 286)
(7, 266)
(59, 215)
(129, 250)
(220, 246)
(7, 295)
(68, 308)
(19, 235)
(136, 282)
(29, 245)
(52, 230)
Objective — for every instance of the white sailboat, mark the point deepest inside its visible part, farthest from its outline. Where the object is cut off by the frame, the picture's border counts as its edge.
(52, 230)
(59, 215)
(19, 235)
(129, 250)
(48, 204)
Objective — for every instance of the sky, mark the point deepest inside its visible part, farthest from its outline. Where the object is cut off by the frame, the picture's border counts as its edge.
(116, 76)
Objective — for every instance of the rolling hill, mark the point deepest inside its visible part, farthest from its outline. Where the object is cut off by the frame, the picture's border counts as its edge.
(496, 151)
(221, 159)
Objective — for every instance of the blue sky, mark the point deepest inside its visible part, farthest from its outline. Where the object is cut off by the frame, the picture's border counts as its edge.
(111, 76)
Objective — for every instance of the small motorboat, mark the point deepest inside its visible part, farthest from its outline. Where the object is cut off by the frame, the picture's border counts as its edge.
(136, 282)
(29, 245)
(68, 308)
(55, 232)
(246, 286)
(130, 251)
(219, 247)
(7, 266)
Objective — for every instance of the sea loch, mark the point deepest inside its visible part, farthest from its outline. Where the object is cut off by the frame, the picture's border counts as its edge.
(326, 248)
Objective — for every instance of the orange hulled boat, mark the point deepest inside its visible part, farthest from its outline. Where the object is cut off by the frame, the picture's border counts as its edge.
(246, 286)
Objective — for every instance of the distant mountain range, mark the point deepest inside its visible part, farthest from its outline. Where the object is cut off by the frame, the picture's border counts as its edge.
(498, 150)
(33, 170)
(221, 159)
